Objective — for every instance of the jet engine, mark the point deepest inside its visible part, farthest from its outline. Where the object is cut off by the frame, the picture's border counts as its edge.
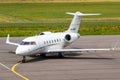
(70, 37)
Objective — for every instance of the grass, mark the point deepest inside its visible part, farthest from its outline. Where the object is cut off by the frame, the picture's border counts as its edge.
(36, 1)
(86, 28)
(32, 18)
(18, 12)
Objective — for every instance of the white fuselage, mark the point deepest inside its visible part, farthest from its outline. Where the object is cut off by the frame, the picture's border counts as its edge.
(42, 43)
(48, 42)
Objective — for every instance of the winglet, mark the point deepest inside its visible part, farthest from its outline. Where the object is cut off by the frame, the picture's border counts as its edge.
(8, 41)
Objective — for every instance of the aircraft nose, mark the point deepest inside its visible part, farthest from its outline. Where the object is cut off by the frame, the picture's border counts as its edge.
(18, 51)
(21, 51)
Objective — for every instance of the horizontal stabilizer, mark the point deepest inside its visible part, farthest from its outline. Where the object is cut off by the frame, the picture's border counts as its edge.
(75, 23)
(81, 14)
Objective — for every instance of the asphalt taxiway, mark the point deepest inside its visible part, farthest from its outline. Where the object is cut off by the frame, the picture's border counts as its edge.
(101, 65)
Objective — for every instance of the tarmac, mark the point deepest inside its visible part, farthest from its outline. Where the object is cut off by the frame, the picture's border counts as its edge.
(100, 65)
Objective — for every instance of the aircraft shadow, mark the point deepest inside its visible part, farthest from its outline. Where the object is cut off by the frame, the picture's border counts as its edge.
(72, 57)
(35, 59)
(11, 52)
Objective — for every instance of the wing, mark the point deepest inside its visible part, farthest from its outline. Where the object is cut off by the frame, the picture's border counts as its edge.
(8, 41)
(81, 50)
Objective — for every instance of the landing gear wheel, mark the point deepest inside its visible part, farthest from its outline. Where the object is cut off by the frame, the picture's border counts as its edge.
(61, 55)
(24, 59)
(43, 55)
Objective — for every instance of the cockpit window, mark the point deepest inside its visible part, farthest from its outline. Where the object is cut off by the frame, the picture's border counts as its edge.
(33, 43)
(28, 43)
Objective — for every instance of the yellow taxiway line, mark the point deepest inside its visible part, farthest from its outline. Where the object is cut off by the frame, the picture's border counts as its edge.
(18, 74)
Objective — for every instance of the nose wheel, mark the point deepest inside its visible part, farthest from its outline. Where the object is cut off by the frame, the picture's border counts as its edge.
(24, 59)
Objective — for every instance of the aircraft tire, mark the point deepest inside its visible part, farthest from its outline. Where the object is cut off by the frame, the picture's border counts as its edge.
(61, 55)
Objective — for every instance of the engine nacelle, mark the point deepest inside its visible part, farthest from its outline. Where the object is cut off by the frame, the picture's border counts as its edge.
(70, 37)
(45, 33)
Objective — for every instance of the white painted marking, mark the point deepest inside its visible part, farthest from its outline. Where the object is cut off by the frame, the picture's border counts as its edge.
(5, 66)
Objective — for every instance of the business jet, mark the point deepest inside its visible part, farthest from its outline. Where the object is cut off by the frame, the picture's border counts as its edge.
(48, 42)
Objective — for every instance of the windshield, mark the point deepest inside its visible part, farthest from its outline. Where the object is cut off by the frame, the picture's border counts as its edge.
(28, 43)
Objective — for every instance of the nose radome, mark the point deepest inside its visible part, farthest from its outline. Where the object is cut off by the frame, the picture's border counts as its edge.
(21, 50)
(18, 51)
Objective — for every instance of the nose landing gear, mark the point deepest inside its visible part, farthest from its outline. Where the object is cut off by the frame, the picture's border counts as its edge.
(24, 59)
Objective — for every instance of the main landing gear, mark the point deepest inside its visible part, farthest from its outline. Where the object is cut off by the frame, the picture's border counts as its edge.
(24, 59)
(43, 55)
(61, 55)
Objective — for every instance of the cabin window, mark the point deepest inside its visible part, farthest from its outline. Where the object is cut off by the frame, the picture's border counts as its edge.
(57, 40)
(44, 42)
(52, 41)
(47, 42)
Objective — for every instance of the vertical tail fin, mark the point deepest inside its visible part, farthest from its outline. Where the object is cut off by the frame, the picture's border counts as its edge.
(74, 26)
